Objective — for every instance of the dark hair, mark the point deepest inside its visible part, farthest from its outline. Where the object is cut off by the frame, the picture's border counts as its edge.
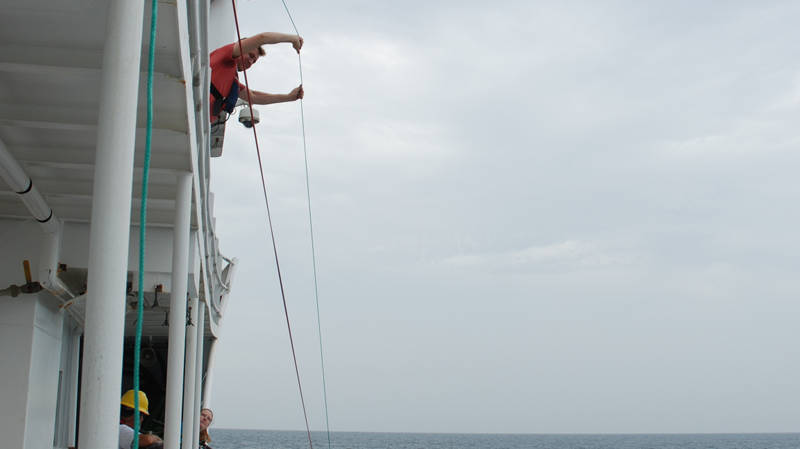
(261, 50)
(126, 412)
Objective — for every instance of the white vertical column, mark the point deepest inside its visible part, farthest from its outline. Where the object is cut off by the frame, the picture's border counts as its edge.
(110, 227)
(198, 377)
(72, 398)
(177, 312)
(189, 378)
(209, 378)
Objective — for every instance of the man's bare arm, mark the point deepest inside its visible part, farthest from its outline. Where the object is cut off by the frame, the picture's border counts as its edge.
(266, 98)
(252, 43)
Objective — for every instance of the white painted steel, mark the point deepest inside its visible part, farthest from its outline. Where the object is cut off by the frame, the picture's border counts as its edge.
(108, 243)
(189, 376)
(195, 270)
(16, 340)
(30, 353)
(72, 398)
(19, 181)
(42, 385)
(48, 266)
(209, 380)
(212, 350)
(10, 170)
(177, 316)
(66, 413)
(201, 325)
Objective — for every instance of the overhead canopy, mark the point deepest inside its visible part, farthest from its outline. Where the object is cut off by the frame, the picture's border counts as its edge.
(51, 65)
(50, 71)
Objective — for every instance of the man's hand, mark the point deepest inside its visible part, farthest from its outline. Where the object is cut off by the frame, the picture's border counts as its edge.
(297, 43)
(148, 440)
(296, 93)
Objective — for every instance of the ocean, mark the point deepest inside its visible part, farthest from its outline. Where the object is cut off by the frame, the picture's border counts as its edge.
(270, 439)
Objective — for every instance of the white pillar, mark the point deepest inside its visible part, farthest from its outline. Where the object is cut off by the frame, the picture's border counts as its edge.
(110, 227)
(188, 378)
(177, 312)
(209, 378)
(72, 398)
(198, 377)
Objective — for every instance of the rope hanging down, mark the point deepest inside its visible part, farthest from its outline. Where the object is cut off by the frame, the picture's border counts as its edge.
(142, 220)
(271, 231)
(311, 229)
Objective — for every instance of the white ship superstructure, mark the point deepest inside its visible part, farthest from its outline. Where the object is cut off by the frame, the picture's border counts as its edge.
(72, 133)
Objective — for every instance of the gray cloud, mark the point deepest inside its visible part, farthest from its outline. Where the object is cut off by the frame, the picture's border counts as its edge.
(535, 218)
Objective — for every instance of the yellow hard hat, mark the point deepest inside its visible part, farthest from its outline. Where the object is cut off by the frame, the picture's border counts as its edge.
(127, 401)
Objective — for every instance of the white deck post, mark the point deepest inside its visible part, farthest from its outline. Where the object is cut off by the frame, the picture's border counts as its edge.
(177, 312)
(209, 379)
(188, 378)
(198, 400)
(110, 227)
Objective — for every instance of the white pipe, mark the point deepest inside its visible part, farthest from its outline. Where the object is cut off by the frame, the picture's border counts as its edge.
(209, 378)
(48, 265)
(198, 376)
(177, 312)
(110, 227)
(194, 46)
(206, 65)
(19, 181)
(11, 172)
(189, 377)
(48, 268)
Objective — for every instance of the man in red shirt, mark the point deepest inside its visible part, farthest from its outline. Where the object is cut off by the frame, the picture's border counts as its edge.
(236, 57)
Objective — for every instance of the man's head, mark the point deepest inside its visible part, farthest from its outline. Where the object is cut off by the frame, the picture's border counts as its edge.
(126, 416)
(248, 59)
(126, 412)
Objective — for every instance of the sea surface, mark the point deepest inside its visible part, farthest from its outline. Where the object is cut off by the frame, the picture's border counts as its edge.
(270, 439)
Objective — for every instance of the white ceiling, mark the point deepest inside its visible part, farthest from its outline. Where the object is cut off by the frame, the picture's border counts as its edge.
(50, 67)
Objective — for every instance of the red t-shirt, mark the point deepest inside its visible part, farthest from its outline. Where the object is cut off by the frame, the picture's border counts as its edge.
(223, 72)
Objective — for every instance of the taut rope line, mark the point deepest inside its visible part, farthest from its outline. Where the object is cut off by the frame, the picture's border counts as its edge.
(311, 229)
(271, 231)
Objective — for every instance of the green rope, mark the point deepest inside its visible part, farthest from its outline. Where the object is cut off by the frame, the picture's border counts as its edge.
(142, 220)
(313, 247)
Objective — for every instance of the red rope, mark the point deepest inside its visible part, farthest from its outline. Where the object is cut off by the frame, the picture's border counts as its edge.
(272, 233)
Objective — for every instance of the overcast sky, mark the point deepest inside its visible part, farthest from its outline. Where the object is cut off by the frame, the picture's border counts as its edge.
(529, 217)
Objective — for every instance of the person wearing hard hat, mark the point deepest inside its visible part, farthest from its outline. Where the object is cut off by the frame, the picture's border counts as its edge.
(126, 422)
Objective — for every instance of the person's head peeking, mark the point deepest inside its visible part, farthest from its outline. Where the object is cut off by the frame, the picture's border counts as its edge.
(206, 417)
